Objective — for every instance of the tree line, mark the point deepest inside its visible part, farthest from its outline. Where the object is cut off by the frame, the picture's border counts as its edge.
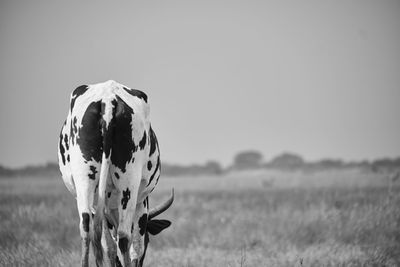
(253, 160)
(245, 160)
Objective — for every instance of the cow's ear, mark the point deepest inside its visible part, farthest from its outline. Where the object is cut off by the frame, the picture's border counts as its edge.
(154, 227)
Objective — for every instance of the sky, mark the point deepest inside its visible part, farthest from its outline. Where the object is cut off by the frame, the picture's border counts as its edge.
(318, 78)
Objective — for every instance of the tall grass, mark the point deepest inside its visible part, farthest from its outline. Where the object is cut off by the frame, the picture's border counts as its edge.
(255, 226)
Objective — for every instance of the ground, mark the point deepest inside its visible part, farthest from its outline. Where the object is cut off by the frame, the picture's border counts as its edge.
(347, 218)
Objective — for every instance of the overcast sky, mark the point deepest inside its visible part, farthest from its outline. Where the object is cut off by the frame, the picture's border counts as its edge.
(319, 78)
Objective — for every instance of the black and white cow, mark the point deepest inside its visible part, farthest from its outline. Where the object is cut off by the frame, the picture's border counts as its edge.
(108, 153)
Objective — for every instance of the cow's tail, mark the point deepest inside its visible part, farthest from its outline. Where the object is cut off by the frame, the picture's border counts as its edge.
(107, 132)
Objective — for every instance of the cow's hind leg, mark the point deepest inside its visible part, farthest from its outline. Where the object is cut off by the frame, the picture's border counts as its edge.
(128, 187)
(84, 227)
(138, 232)
(85, 189)
(108, 243)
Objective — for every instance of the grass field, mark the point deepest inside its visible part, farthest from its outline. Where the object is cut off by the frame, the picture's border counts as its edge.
(247, 219)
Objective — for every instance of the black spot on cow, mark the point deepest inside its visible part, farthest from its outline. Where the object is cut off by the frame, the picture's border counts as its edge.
(146, 241)
(158, 178)
(122, 140)
(137, 93)
(90, 139)
(117, 262)
(85, 221)
(155, 170)
(146, 202)
(109, 194)
(76, 93)
(71, 135)
(66, 141)
(109, 225)
(73, 130)
(153, 141)
(142, 142)
(126, 195)
(149, 165)
(68, 159)
(62, 149)
(123, 244)
(92, 175)
(143, 224)
(116, 175)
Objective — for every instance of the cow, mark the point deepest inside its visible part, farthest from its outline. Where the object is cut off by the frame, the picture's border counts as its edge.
(109, 160)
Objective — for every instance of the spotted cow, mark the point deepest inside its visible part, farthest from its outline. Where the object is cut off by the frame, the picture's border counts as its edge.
(110, 161)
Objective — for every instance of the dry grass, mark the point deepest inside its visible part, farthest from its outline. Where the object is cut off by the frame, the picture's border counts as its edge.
(259, 219)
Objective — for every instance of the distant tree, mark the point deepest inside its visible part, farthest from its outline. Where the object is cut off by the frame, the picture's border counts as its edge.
(386, 164)
(7, 172)
(213, 167)
(330, 164)
(247, 160)
(287, 161)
